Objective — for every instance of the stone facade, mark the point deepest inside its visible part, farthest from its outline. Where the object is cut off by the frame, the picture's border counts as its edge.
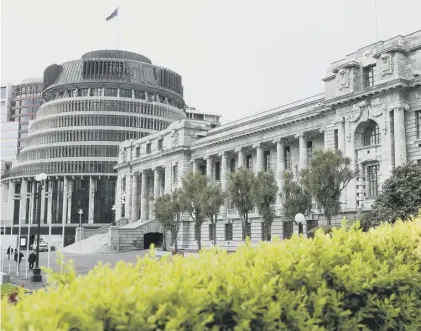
(370, 110)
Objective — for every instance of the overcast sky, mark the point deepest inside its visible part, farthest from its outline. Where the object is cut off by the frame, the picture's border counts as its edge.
(237, 57)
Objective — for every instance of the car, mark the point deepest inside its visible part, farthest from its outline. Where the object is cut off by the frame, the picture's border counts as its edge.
(43, 246)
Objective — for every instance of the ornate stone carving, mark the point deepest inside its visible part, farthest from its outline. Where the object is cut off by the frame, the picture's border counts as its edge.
(386, 64)
(339, 120)
(174, 139)
(381, 111)
(356, 112)
(343, 78)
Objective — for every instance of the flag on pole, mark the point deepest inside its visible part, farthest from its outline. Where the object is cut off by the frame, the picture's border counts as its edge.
(113, 14)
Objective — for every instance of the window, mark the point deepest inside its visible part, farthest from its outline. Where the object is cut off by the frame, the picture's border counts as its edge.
(248, 231)
(139, 94)
(267, 160)
(217, 171)
(137, 151)
(373, 185)
(288, 229)
(211, 226)
(82, 92)
(311, 224)
(249, 162)
(309, 152)
(110, 92)
(96, 92)
(125, 93)
(148, 148)
(418, 115)
(287, 157)
(372, 134)
(232, 165)
(336, 139)
(160, 144)
(228, 231)
(368, 75)
(174, 175)
(3, 92)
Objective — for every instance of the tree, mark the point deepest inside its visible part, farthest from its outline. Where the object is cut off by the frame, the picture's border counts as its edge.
(264, 196)
(326, 177)
(294, 198)
(240, 188)
(194, 188)
(168, 210)
(214, 198)
(164, 214)
(400, 196)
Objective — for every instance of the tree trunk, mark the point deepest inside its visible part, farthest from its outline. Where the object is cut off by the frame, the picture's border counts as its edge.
(214, 231)
(199, 239)
(176, 246)
(329, 220)
(164, 241)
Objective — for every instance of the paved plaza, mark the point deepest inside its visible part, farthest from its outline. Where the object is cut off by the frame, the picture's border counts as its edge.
(82, 264)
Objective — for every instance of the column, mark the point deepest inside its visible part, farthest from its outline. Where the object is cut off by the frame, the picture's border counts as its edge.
(144, 197)
(151, 197)
(70, 184)
(280, 168)
(168, 178)
(302, 151)
(386, 166)
(195, 166)
(42, 202)
(91, 200)
(156, 185)
(10, 201)
(118, 197)
(399, 132)
(259, 157)
(129, 197)
(50, 202)
(240, 157)
(224, 173)
(209, 167)
(341, 134)
(135, 197)
(23, 201)
(64, 214)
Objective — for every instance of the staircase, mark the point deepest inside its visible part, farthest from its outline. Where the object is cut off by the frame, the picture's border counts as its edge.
(98, 243)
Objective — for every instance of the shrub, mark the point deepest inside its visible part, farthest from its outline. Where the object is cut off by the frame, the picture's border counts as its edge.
(348, 280)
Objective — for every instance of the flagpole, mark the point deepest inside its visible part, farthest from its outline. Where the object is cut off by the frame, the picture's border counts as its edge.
(27, 250)
(18, 256)
(377, 24)
(11, 255)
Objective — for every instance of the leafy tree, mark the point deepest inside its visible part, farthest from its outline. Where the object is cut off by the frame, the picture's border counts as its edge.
(168, 210)
(164, 213)
(194, 188)
(400, 196)
(294, 198)
(326, 177)
(264, 196)
(214, 198)
(240, 190)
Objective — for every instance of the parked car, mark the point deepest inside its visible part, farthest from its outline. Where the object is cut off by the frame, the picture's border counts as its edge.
(43, 246)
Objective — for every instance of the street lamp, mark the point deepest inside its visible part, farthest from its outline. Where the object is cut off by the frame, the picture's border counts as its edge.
(40, 178)
(300, 219)
(114, 209)
(80, 217)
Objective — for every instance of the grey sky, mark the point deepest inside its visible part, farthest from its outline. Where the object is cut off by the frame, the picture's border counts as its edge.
(237, 57)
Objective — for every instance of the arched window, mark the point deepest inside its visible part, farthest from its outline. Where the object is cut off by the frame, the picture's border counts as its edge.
(372, 134)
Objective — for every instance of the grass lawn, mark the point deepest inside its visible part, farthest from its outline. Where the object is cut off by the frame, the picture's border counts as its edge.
(8, 288)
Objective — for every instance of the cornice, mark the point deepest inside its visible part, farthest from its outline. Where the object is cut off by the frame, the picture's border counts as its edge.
(395, 84)
(345, 65)
(390, 49)
(266, 127)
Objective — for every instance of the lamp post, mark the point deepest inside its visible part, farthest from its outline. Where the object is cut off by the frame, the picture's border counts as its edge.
(80, 227)
(37, 276)
(114, 209)
(300, 219)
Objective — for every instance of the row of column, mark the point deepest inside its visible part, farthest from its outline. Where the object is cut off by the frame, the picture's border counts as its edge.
(46, 194)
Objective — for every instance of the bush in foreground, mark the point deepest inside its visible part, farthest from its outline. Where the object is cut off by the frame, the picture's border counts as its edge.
(348, 280)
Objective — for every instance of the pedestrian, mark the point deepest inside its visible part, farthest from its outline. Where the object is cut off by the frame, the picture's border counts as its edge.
(32, 258)
(20, 257)
(9, 252)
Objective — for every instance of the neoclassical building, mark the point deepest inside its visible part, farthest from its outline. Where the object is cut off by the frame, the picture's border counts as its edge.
(370, 110)
(90, 106)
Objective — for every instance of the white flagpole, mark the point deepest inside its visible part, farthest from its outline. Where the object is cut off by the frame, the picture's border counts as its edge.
(11, 255)
(18, 248)
(62, 235)
(27, 250)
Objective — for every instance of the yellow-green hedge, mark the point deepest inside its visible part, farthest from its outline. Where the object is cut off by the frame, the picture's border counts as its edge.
(348, 281)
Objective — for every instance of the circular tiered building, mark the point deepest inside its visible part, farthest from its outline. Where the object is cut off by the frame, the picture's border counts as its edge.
(90, 106)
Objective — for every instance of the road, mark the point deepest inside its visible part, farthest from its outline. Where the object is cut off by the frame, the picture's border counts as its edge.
(82, 263)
